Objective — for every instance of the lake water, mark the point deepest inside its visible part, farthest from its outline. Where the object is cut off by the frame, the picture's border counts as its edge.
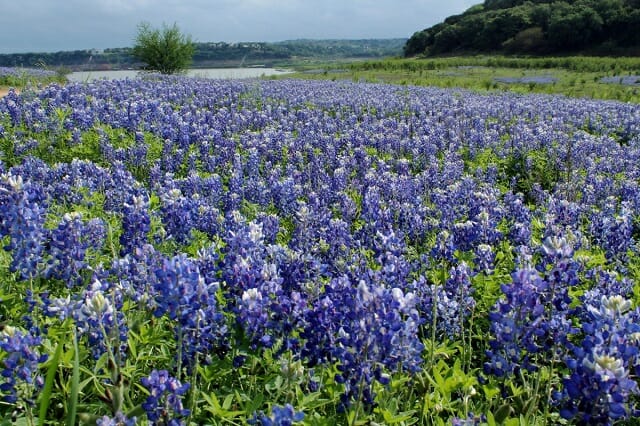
(214, 73)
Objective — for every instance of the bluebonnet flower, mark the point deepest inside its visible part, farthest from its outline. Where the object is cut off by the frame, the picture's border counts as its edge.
(375, 216)
(164, 404)
(119, 189)
(466, 234)
(136, 223)
(534, 316)
(244, 254)
(179, 214)
(23, 147)
(12, 104)
(613, 230)
(98, 316)
(68, 245)
(454, 302)
(285, 194)
(561, 221)
(601, 387)
(23, 207)
(444, 249)
(605, 284)
(471, 420)
(369, 332)
(265, 285)
(559, 268)
(280, 416)
(182, 293)
(471, 233)
(484, 258)
(20, 365)
(133, 275)
(118, 420)
(390, 253)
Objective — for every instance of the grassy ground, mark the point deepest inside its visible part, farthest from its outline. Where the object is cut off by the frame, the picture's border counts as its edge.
(573, 76)
(570, 76)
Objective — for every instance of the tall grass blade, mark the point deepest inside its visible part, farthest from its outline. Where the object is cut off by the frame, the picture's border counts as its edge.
(48, 385)
(75, 384)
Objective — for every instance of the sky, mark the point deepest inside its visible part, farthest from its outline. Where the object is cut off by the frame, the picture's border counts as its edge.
(57, 25)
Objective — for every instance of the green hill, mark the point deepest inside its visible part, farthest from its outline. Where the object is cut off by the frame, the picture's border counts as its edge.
(535, 27)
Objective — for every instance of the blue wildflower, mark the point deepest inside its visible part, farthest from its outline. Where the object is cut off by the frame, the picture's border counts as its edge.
(280, 416)
(69, 243)
(601, 387)
(184, 295)
(118, 420)
(23, 211)
(164, 404)
(20, 365)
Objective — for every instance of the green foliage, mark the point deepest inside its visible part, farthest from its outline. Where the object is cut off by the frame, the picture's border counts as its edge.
(556, 27)
(25, 78)
(165, 50)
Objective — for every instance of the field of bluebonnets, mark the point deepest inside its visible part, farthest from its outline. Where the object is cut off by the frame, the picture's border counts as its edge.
(187, 251)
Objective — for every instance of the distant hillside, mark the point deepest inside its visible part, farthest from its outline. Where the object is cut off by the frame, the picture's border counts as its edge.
(535, 27)
(218, 54)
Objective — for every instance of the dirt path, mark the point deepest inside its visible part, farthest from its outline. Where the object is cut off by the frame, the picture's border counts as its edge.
(4, 91)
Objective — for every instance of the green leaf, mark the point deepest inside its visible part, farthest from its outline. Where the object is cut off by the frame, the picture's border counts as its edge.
(439, 380)
(227, 402)
(314, 400)
(20, 421)
(75, 383)
(48, 384)
(254, 403)
(212, 400)
(490, 391)
(391, 419)
(491, 421)
(502, 413)
(218, 410)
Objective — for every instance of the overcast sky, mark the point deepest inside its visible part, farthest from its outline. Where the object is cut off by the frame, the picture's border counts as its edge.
(54, 25)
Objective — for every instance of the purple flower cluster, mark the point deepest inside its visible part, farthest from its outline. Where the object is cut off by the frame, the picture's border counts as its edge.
(312, 218)
(136, 223)
(613, 230)
(601, 387)
(280, 416)
(533, 319)
(20, 361)
(26, 72)
(23, 208)
(454, 302)
(97, 314)
(181, 292)
(68, 245)
(164, 404)
(118, 420)
(369, 330)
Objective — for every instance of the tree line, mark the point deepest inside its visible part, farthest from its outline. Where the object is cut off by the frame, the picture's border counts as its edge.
(214, 54)
(535, 27)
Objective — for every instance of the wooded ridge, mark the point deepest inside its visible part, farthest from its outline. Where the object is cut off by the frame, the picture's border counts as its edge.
(535, 27)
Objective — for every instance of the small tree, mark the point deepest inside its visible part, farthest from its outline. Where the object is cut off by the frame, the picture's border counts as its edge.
(167, 50)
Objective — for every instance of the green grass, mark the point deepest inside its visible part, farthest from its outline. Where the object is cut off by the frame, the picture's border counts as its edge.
(576, 76)
(24, 79)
